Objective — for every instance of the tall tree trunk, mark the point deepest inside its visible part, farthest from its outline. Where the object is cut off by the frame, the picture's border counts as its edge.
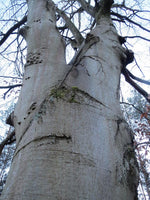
(72, 141)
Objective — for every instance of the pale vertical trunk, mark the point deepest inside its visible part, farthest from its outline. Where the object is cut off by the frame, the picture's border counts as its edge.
(72, 142)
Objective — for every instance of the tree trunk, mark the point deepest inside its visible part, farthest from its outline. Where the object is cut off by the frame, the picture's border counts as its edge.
(72, 141)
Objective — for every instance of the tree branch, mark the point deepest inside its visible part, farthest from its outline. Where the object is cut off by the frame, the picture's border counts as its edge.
(87, 7)
(122, 17)
(10, 86)
(17, 25)
(12, 77)
(76, 33)
(138, 36)
(137, 78)
(116, 5)
(136, 86)
(130, 104)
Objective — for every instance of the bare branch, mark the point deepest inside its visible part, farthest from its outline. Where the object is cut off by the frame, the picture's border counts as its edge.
(87, 7)
(138, 36)
(17, 25)
(12, 77)
(136, 86)
(137, 78)
(116, 5)
(8, 46)
(123, 18)
(79, 38)
(10, 86)
(130, 104)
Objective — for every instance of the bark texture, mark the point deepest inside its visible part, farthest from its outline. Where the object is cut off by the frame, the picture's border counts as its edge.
(72, 141)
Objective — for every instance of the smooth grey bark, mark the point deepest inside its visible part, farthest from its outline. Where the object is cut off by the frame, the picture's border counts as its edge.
(72, 140)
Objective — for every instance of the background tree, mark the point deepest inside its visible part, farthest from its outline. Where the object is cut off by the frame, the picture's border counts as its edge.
(71, 139)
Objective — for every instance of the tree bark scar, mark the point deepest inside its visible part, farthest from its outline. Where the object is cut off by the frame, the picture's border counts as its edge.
(58, 138)
(119, 121)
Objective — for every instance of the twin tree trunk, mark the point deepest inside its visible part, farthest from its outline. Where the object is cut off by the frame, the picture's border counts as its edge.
(72, 141)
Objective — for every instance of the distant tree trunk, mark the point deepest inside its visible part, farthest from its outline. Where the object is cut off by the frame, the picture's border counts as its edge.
(72, 140)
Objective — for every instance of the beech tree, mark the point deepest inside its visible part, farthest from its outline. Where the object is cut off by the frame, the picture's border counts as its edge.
(72, 141)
